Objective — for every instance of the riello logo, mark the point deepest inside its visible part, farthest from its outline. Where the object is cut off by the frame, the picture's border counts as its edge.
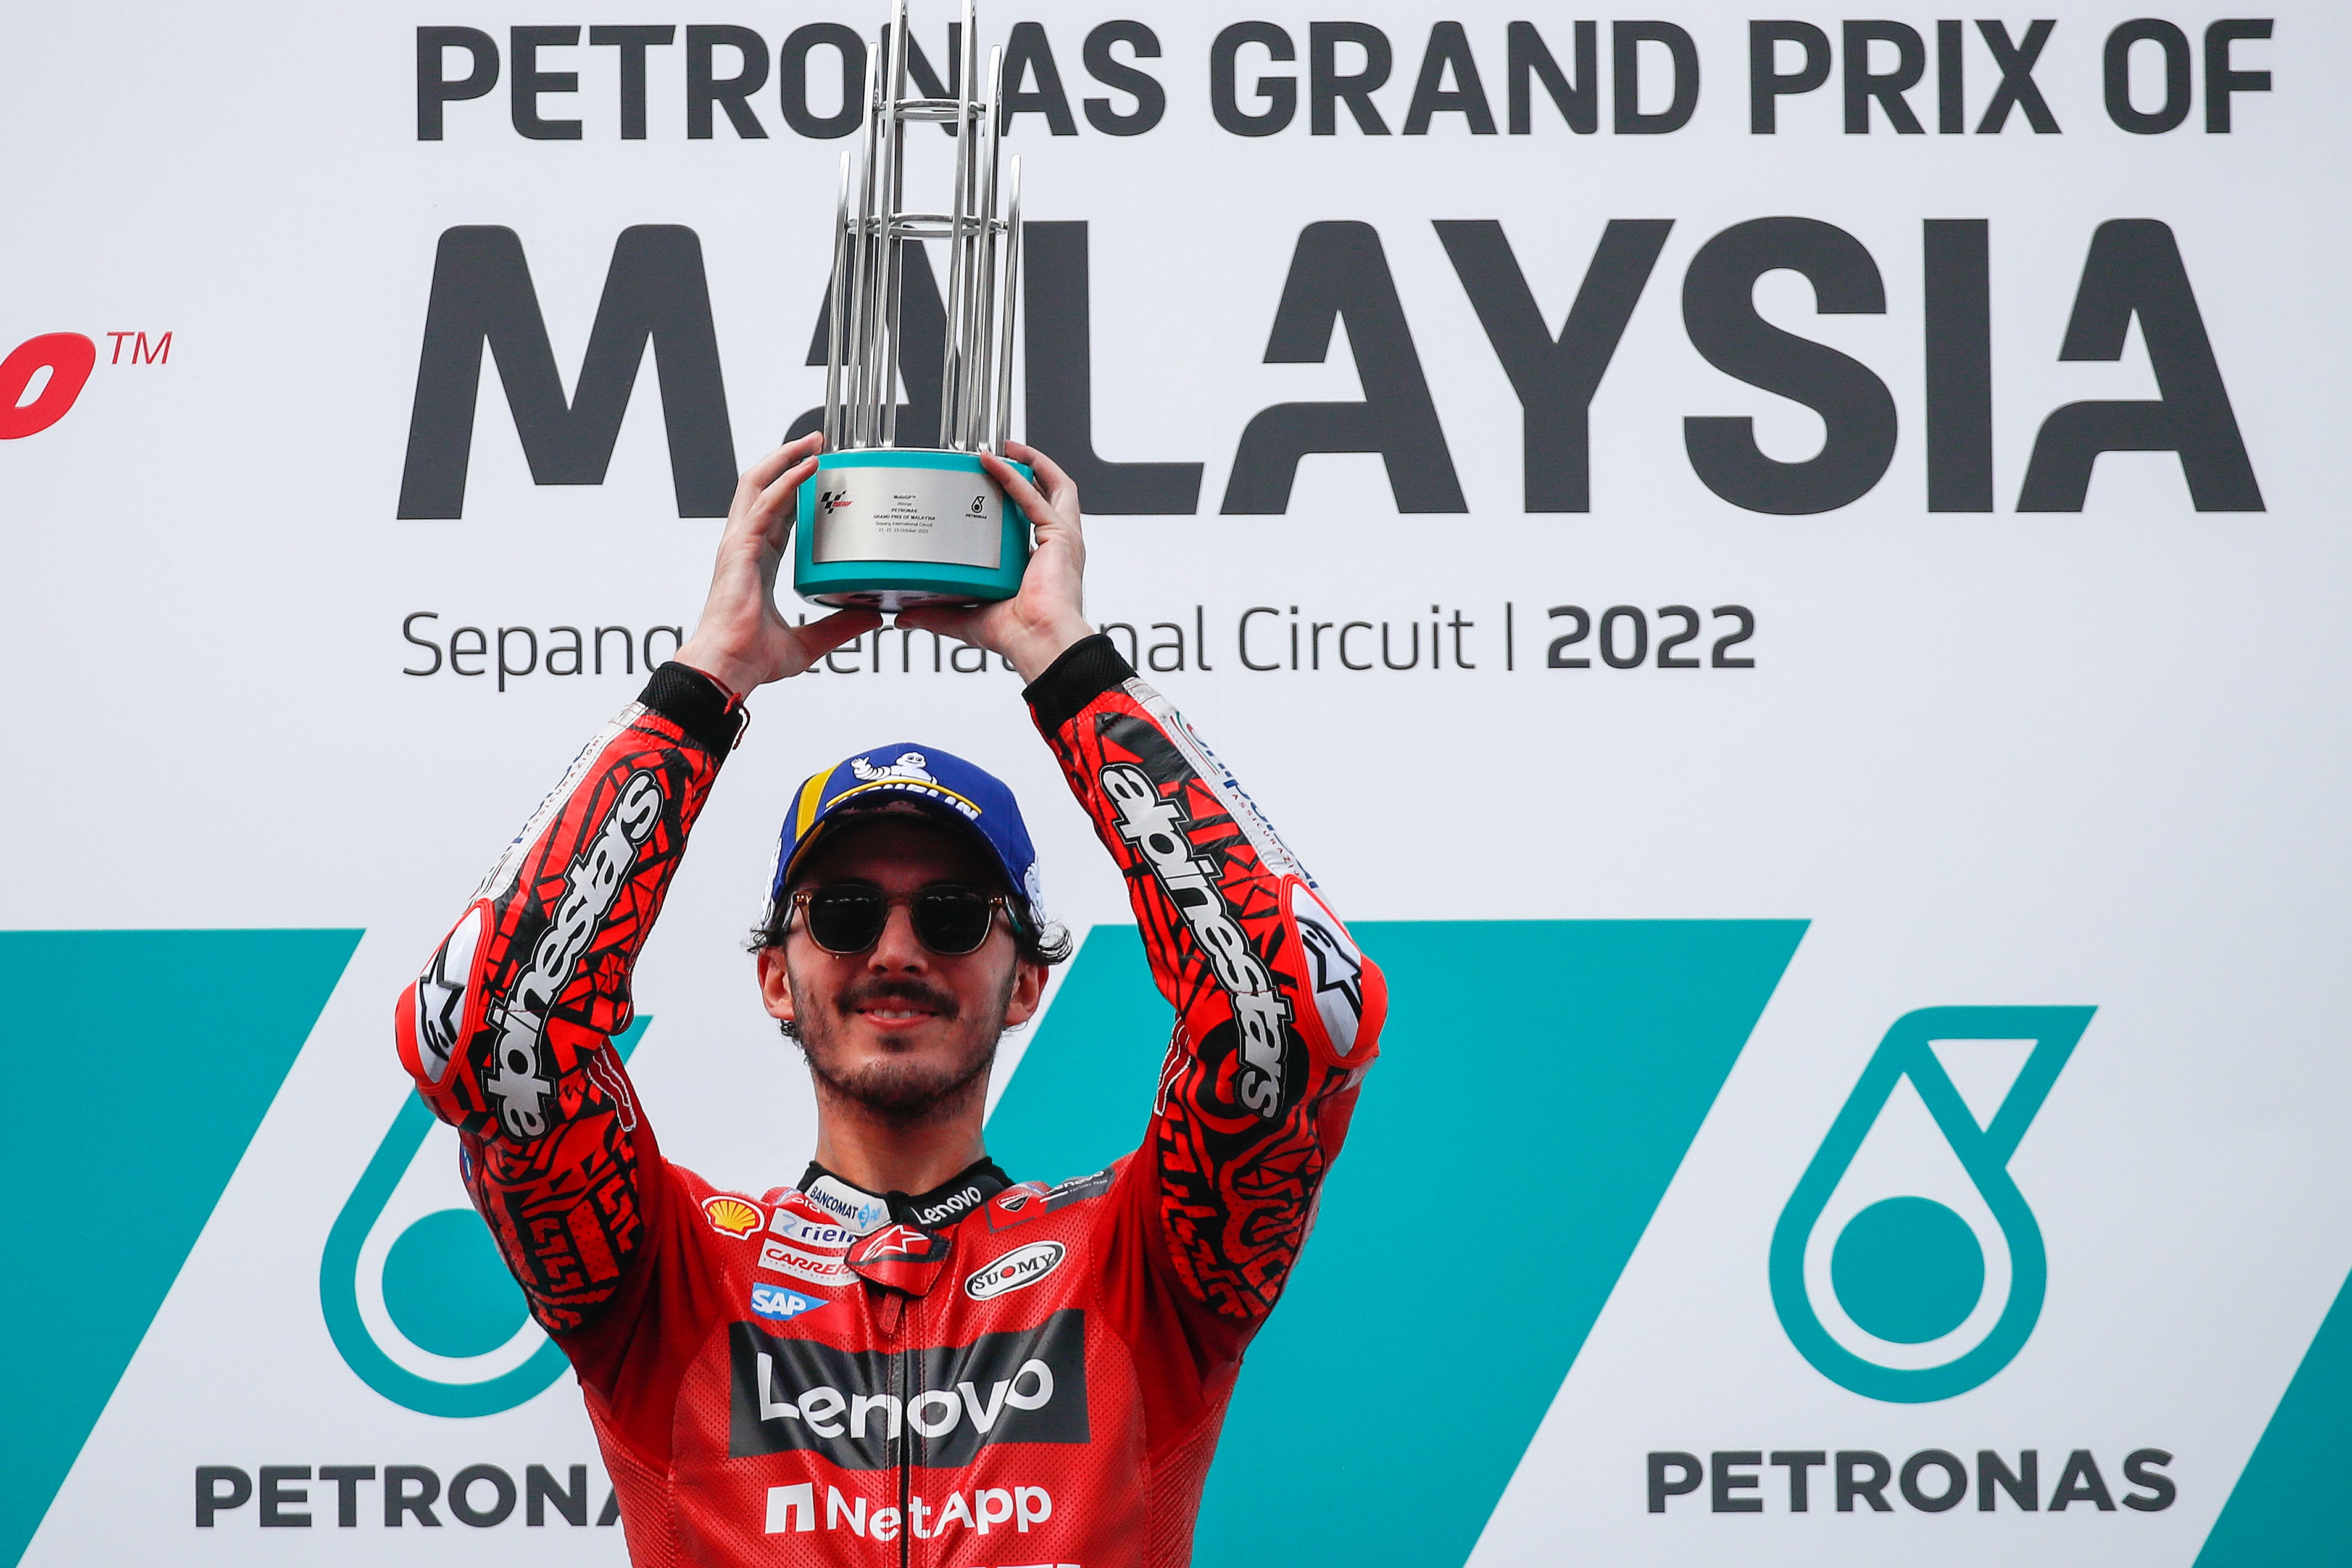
(1907, 1265)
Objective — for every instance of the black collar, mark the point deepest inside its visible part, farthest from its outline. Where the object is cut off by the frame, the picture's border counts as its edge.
(959, 1195)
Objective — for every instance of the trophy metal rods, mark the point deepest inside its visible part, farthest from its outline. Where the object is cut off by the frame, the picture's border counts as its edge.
(872, 228)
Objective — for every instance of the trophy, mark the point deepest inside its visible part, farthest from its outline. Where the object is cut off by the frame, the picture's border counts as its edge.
(885, 526)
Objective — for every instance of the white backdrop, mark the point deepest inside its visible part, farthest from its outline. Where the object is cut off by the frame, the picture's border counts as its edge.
(1994, 757)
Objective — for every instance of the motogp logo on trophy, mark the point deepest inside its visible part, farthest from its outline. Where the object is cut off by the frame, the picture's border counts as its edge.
(1891, 1292)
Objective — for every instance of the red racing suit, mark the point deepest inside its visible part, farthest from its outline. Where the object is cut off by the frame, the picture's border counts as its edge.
(1017, 1375)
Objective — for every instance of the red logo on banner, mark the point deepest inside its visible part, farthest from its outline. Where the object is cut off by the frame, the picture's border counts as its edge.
(67, 356)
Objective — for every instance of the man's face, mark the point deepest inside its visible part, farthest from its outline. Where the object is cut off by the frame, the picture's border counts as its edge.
(905, 1032)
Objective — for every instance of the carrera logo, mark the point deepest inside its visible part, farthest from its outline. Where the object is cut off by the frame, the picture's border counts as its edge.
(813, 1267)
(1021, 1266)
(730, 1216)
(855, 1408)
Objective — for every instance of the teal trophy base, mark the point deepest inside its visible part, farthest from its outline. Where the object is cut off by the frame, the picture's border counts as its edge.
(888, 527)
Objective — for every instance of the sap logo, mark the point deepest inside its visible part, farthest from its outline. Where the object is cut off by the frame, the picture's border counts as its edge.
(811, 1232)
(782, 1305)
(793, 1509)
(1021, 1266)
(854, 1407)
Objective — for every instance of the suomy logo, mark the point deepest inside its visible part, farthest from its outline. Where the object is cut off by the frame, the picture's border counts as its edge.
(855, 1408)
(1021, 1266)
(1900, 1296)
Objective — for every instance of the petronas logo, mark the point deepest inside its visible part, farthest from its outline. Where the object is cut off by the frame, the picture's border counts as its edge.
(414, 1294)
(1908, 1266)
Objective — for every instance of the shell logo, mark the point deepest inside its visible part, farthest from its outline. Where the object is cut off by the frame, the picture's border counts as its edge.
(730, 1216)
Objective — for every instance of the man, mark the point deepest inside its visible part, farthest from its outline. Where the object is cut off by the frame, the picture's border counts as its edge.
(908, 1358)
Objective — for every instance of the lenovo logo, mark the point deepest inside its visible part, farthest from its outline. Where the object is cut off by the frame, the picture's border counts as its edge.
(855, 1408)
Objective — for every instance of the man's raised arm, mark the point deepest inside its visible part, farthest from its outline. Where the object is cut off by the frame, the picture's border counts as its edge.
(507, 1031)
(1278, 1013)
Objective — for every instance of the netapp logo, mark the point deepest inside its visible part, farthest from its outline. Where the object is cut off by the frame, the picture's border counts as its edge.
(791, 1395)
(1261, 1017)
(590, 884)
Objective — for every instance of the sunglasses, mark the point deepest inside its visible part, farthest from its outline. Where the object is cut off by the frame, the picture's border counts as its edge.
(950, 921)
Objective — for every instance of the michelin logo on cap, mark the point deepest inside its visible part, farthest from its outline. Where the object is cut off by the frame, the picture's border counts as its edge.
(933, 781)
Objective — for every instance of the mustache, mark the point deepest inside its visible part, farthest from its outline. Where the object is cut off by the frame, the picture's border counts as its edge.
(866, 993)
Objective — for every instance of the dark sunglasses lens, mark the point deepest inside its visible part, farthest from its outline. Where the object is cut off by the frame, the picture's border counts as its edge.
(846, 922)
(952, 922)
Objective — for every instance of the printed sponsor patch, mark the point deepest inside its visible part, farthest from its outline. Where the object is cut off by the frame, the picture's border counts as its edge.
(1160, 831)
(800, 1395)
(731, 1215)
(441, 992)
(782, 1305)
(826, 1235)
(1016, 1206)
(1021, 1266)
(1079, 1188)
(1335, 970)
(902, 1244)
(515, 1074)
(949, 1205)
(815, 1269)
(861, 1211)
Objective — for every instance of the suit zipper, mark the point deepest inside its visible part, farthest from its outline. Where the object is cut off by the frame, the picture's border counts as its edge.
(906, 1462)
(894, 1317)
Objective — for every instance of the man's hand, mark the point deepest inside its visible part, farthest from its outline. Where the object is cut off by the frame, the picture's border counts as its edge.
(1033, 626)
(741, 642)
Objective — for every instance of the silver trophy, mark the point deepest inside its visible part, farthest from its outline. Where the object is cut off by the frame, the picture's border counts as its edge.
(880, 524)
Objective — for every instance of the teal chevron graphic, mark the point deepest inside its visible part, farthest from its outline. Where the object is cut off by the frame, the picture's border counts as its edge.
(130, 1110)
(2287, 1509)
(1908, 1270)
(444, 1287)
(1551, 1141)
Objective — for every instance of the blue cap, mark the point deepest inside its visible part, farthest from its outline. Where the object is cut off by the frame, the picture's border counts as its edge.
(936, 782)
